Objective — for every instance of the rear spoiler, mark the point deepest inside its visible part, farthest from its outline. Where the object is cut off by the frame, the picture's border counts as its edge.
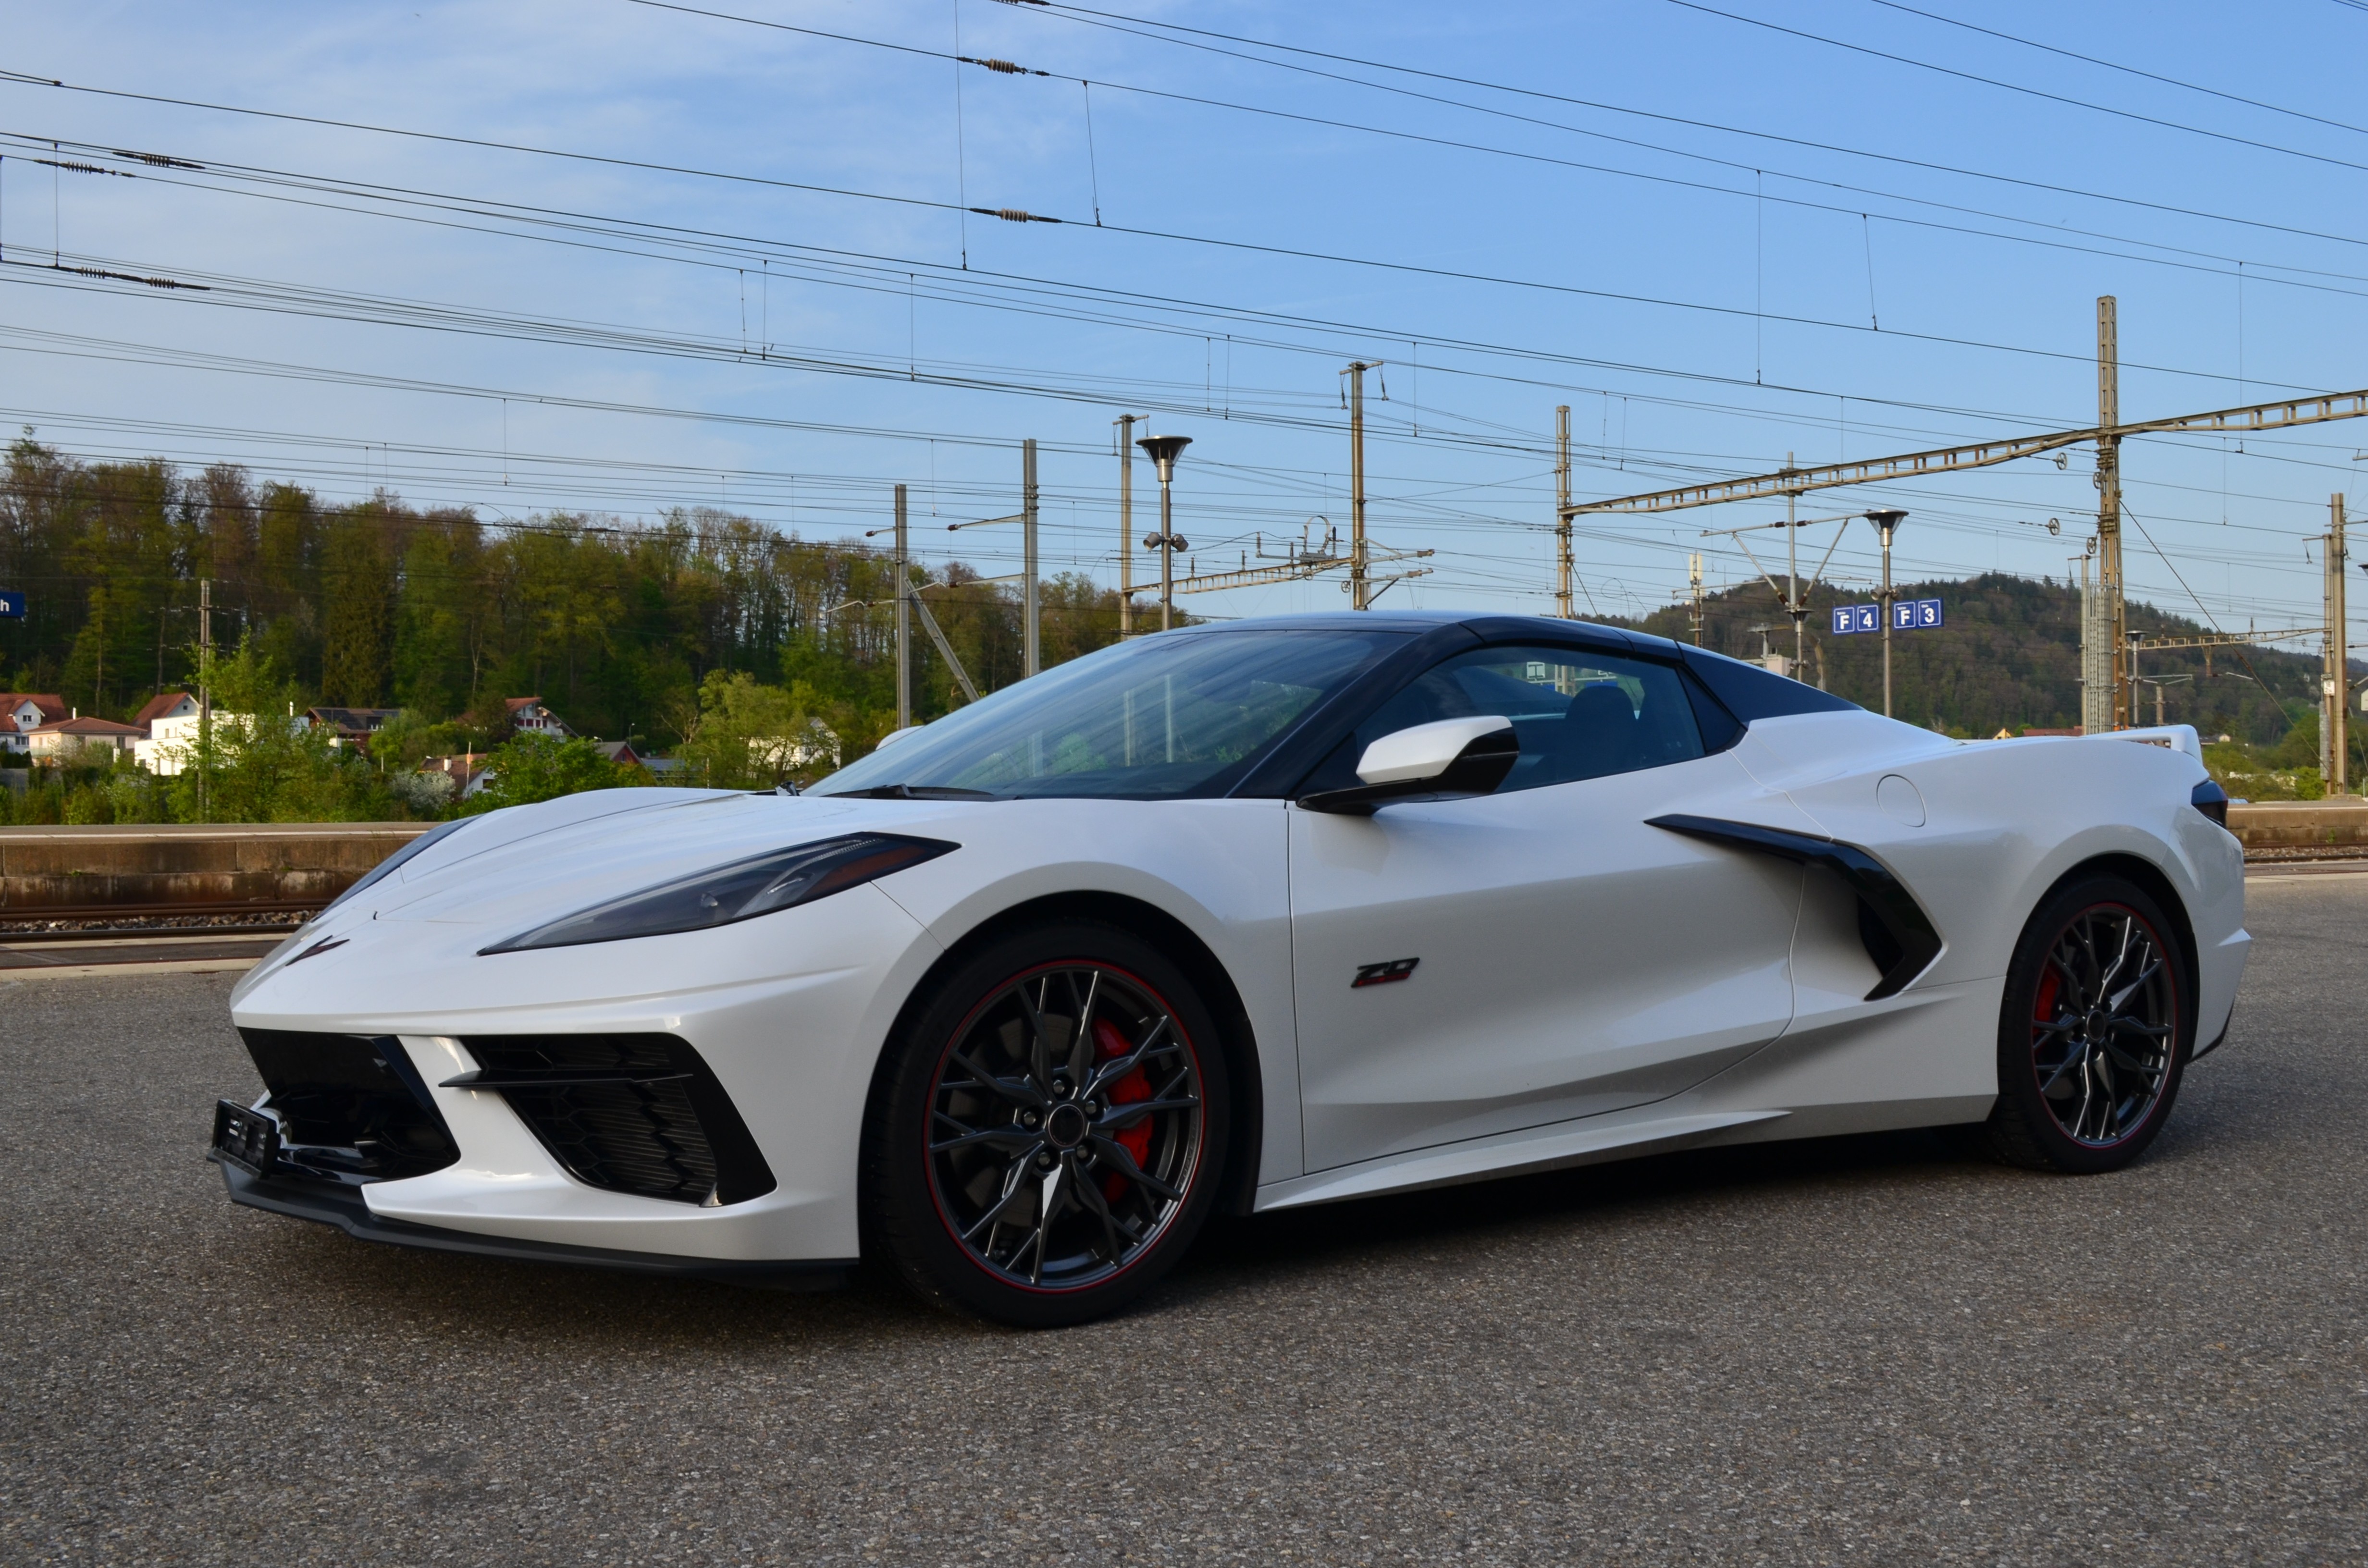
(2177, 737)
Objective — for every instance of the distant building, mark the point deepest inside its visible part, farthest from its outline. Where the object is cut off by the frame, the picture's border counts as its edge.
(21, 713)
(350, 726)
(165, 705)
(171, 741)
(463, 768)
(530, 717)
(69, 738)
(622, 753)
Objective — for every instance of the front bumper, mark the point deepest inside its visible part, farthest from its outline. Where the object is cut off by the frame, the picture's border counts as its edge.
(786, 1014)
(332, 1204)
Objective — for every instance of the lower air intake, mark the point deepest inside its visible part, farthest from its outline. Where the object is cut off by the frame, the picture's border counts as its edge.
(638, 1113)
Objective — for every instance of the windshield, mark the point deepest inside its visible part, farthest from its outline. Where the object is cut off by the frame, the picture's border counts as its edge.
(1160, 717)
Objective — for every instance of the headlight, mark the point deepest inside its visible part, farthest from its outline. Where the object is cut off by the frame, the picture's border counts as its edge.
(740, 891)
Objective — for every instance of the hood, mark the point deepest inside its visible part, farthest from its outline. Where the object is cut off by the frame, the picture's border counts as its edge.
(513, 870)
(530, 864)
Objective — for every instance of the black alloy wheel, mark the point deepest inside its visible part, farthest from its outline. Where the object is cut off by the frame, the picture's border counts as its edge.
(2095, 1033)
(1050, 1133)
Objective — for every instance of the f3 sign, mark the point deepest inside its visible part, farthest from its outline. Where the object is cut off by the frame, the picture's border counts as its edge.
(1906, 615)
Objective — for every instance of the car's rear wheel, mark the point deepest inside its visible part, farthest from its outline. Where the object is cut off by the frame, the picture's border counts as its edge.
(1051, 1129)
(2095, 1032)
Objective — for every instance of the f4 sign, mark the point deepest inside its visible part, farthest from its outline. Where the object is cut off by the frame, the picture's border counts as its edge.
(1906, 615)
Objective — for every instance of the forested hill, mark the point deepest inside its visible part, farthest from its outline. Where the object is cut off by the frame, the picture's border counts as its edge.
(2009, 657)
(378, 603)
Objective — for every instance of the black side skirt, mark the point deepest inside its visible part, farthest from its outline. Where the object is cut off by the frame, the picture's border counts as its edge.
(344, 1208)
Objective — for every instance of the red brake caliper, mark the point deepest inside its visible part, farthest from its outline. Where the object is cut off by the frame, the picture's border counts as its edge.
(1108, 1045)
(2048, 982)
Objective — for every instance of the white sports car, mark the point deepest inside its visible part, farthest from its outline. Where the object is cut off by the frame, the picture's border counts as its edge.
(1249, 917)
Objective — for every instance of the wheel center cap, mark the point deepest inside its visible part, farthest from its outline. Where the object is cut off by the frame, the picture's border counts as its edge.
(1066, 1126)
(2098, 1025)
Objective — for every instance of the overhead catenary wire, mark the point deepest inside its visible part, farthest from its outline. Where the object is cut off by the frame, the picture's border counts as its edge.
(2041, 93)
(1170, 32)
(1739, 167)
(2125, 70)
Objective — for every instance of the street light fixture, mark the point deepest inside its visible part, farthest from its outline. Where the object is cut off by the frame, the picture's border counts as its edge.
(1164, 451)
(1886, 520)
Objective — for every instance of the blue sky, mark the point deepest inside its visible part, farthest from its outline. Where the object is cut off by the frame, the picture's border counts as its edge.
(753, 285)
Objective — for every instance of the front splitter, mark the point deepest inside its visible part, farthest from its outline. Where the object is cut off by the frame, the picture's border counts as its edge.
(343, 1207)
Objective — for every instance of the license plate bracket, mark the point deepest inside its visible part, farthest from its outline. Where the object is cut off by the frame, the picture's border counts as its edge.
(245, 1138)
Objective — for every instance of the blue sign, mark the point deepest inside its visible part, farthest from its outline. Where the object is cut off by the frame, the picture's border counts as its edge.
(1906, 615)
(12, 605)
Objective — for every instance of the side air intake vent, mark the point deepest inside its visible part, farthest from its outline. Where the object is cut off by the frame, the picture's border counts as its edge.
(638, 1113)
(1899, 937)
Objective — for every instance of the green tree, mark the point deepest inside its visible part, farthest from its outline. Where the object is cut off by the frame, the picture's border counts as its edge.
(749, 736)
(542, 767)
(260, 762)
(358, 584)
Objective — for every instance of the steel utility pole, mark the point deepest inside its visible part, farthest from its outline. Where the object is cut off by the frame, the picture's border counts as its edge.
(2334, 737)
(2116, 713)
(1031, 636)
(1561, 514)
(1886, 522)
(1125, 422)
(903, 621)
(1793, 572)
(1694, 579)
(205, 689)
(1358, 598)
(1163, 451)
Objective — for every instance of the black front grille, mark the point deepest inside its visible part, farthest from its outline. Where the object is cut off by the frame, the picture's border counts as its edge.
(638, 1113)
(350, 1108)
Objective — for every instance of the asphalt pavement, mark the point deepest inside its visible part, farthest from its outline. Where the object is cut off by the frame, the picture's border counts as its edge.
(1855, 1351)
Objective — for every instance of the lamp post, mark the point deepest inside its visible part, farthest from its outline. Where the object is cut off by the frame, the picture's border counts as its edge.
(1164, 451)
(1886, 520)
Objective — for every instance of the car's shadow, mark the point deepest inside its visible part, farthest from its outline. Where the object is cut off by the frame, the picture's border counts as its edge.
(588, 1310)
(1278, 1244)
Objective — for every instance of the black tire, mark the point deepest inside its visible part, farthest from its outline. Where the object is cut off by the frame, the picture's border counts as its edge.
(991, 1098)
(2095, 1032)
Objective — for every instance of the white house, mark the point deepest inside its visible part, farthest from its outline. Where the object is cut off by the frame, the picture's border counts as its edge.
(530, 717)
(172, 742)
(73, 736)
(165, 705)
(23, 712)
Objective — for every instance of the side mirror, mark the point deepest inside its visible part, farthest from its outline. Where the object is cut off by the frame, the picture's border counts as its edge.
(1428, 762)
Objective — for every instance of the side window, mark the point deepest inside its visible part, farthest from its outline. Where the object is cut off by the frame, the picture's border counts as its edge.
(1580, 715)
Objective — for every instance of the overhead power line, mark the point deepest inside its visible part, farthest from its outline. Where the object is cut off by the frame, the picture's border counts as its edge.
(1247, 247)
(2125, 70)
(2228, 266)
(1165, 32)
(891, 273)
(2017, 88)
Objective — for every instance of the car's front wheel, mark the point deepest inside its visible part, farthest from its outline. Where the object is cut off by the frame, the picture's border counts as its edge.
(2095, 1031)
(1051, 1129)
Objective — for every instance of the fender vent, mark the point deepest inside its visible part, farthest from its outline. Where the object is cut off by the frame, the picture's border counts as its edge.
(637, 1113)
(1899, 937)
